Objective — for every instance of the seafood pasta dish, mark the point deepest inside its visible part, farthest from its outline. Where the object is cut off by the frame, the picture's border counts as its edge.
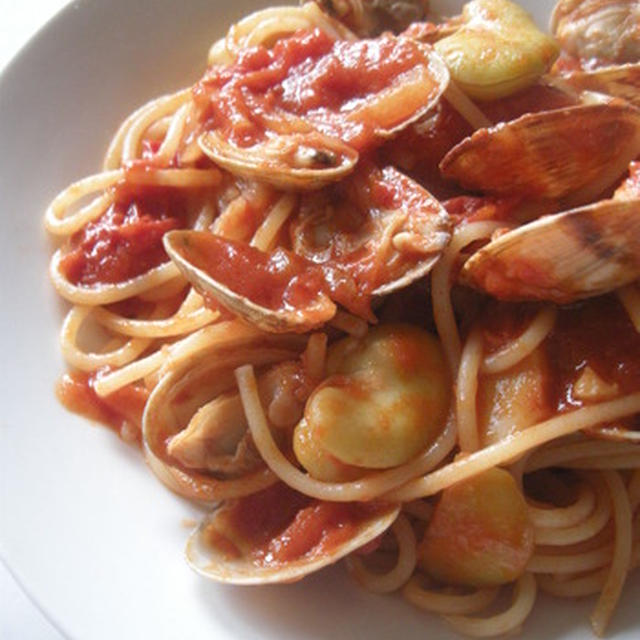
(369, 289)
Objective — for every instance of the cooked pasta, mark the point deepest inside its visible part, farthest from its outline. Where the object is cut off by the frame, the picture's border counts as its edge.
(364, 291)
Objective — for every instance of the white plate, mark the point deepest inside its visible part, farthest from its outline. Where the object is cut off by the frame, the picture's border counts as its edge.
(86, 528)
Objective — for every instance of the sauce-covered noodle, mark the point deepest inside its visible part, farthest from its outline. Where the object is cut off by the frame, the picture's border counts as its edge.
(370, 289)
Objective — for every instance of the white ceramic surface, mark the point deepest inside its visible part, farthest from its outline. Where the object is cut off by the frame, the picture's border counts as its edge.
(84, 525)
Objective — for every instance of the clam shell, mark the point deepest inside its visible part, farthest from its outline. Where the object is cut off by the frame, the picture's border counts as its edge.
(570, 155)
(216, 564)
(185, 247)
(577, 254)
(323, 229)
(620, 81)
(285, 161)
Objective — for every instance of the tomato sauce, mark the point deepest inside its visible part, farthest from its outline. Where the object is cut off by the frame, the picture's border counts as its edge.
(599, 334)
(279, 525)
(418, 149)
(123, 407)
(596, 333)
(477, 208)
(125, 241)
(309, 77)
(279, 281)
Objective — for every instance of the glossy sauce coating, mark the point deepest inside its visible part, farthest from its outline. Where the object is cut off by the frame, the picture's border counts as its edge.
(595, 334)
(75, 391)
(308, 77)
(125, 241)
(279, 525)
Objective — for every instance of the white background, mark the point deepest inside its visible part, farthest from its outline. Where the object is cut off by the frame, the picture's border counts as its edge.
(19, 618)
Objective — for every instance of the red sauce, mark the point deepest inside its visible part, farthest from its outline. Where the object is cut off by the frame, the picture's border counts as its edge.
(477, 208)
(125, 406)
(126, 241)
(279, 280)
(342, 225)
(598, 334)
(279, 525)
(309, 76)
(419, 148)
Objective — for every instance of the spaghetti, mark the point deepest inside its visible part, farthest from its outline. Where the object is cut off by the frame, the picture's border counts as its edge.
(267, 296)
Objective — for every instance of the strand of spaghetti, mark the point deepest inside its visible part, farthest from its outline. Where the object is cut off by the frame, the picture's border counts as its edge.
(584, 530)
(621, 553)
(174, 354)
(266, 233)
(315, 356)
(585, 585)
(347, 322)
(465, 107)
(523, 600)
(214, 491)
(401, 572)
(366, 488)
(145, 117)
(617, 433)
(185, 178)
(571, 563)
(87, 361)
(560, 517)
(630, 298)
(515, 445)
(467, 392)
(108, 293)
(190, 317)
(57, 218)
(563, 454)
(113, 156)
(173, 137)
(523, 345)
(441, 285)
(262, 27)
(448, 603)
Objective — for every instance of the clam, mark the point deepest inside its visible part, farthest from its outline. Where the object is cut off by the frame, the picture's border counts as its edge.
(497, 50)
(191, 397)
(277, 291)
(570, 155)
(279, 535)
(302, 125)
(288, 161)
(600, 31)
(620, 81)
(379, 226)
(577, 254)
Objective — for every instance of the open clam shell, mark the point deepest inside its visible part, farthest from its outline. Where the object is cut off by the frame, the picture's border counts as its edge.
(260, 539)
(577, 254)
(379, 226)
(275, 292)
(569, 155)
(190, 386)
(619, 81)
(289, 161)
(304, 125)
(605, 30)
